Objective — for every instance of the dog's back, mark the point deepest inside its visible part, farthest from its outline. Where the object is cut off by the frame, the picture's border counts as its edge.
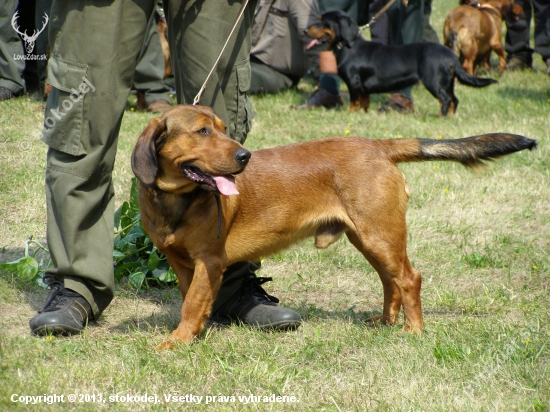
(472, 32)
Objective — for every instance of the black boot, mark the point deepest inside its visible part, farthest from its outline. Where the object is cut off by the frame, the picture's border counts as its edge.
(252, 306)
(321, 98)
(64, 313)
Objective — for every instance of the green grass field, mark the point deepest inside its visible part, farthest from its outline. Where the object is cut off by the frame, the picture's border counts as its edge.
(480, 240)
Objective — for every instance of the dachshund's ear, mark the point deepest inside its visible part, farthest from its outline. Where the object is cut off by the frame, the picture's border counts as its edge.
(144, 157)
(348, 29)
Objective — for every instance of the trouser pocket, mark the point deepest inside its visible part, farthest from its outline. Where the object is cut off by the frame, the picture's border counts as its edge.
(245, 113)
(63, 119)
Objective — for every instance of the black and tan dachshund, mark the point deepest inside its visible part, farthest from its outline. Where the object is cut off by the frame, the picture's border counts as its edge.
(367, 67)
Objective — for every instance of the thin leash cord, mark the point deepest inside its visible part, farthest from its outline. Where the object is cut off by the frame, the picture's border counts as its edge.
(218, 201)
(203, 88)
(380, 12)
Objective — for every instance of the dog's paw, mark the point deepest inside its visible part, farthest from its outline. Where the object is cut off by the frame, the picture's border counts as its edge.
(167, 344)
(380, 320)
(375, 320)
(412, 330)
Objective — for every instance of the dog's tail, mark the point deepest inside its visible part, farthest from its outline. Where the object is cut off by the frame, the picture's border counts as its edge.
(469, 80)
(469, 151)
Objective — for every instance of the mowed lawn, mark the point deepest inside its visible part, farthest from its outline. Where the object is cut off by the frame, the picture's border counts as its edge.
(481, 240)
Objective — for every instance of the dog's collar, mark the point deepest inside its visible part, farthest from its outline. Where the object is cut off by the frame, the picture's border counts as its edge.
(490, 8)
(340, 44)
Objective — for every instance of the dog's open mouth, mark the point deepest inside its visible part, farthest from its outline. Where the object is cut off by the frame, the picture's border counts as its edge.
(325, 38)
(224, 185)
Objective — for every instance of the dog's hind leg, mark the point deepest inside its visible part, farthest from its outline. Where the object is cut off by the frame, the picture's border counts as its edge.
(379, 232)
(400, 281)
(443, 91)
(450, 91)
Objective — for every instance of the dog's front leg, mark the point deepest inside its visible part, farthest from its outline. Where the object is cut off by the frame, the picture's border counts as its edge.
(197, 303)
(359, 102)
(499, 50)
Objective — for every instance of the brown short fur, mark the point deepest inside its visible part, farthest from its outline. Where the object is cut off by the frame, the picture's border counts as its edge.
(472, 32)
(321, 188)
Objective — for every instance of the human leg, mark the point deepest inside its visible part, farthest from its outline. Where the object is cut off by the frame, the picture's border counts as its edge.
(91, 78)
(406, 26)
(541, 10)
(11, 70)
(149, 76)
(194, 54)
(519, 53)
(264, 79)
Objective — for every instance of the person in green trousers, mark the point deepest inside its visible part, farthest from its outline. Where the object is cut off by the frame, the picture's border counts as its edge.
(149, 75)
(11, 68)
(95, 46)
(406, 26)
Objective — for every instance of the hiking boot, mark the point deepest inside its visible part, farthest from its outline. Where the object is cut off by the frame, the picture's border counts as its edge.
(64, 313)
(6, 94)
(398, 102)
(321, 98)
(252, 306)
(515, 63)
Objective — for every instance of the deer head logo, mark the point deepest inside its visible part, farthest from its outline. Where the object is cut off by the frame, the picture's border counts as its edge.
(29, 40)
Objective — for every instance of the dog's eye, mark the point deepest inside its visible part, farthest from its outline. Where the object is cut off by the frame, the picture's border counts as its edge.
(205, 131)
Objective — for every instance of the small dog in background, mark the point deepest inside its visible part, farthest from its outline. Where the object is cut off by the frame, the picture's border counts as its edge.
(473, 31)
(367, 67)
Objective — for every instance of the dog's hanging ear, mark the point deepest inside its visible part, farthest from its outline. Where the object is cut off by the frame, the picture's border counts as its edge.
(144, 156)
(348, 29)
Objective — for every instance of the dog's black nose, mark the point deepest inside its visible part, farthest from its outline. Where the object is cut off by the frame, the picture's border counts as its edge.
(242, 156)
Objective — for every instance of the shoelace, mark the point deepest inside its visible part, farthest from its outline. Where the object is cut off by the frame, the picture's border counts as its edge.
(255, 284)
(57, 295)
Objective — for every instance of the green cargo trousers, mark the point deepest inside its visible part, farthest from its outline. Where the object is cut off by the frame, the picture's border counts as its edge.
(149, 75)
(406, 27)
(95, 46)
(11, 70)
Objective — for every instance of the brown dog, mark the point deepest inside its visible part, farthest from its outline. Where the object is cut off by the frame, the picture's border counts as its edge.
(472, 32)
(324, 188)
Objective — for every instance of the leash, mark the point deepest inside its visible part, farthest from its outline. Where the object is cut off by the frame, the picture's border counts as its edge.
(380, 12)
(203, 88)
(220, 217)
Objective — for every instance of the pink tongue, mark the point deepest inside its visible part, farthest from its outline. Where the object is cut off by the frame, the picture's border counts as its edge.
(226, 185)
(311, 44)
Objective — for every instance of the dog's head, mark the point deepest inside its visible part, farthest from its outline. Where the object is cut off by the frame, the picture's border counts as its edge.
(334, 28)
(187, 148)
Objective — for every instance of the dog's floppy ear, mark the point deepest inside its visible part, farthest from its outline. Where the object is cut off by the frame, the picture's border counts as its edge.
(144, 157)
(348, 29)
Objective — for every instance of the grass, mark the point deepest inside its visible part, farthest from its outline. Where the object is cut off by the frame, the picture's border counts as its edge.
(480, 240)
